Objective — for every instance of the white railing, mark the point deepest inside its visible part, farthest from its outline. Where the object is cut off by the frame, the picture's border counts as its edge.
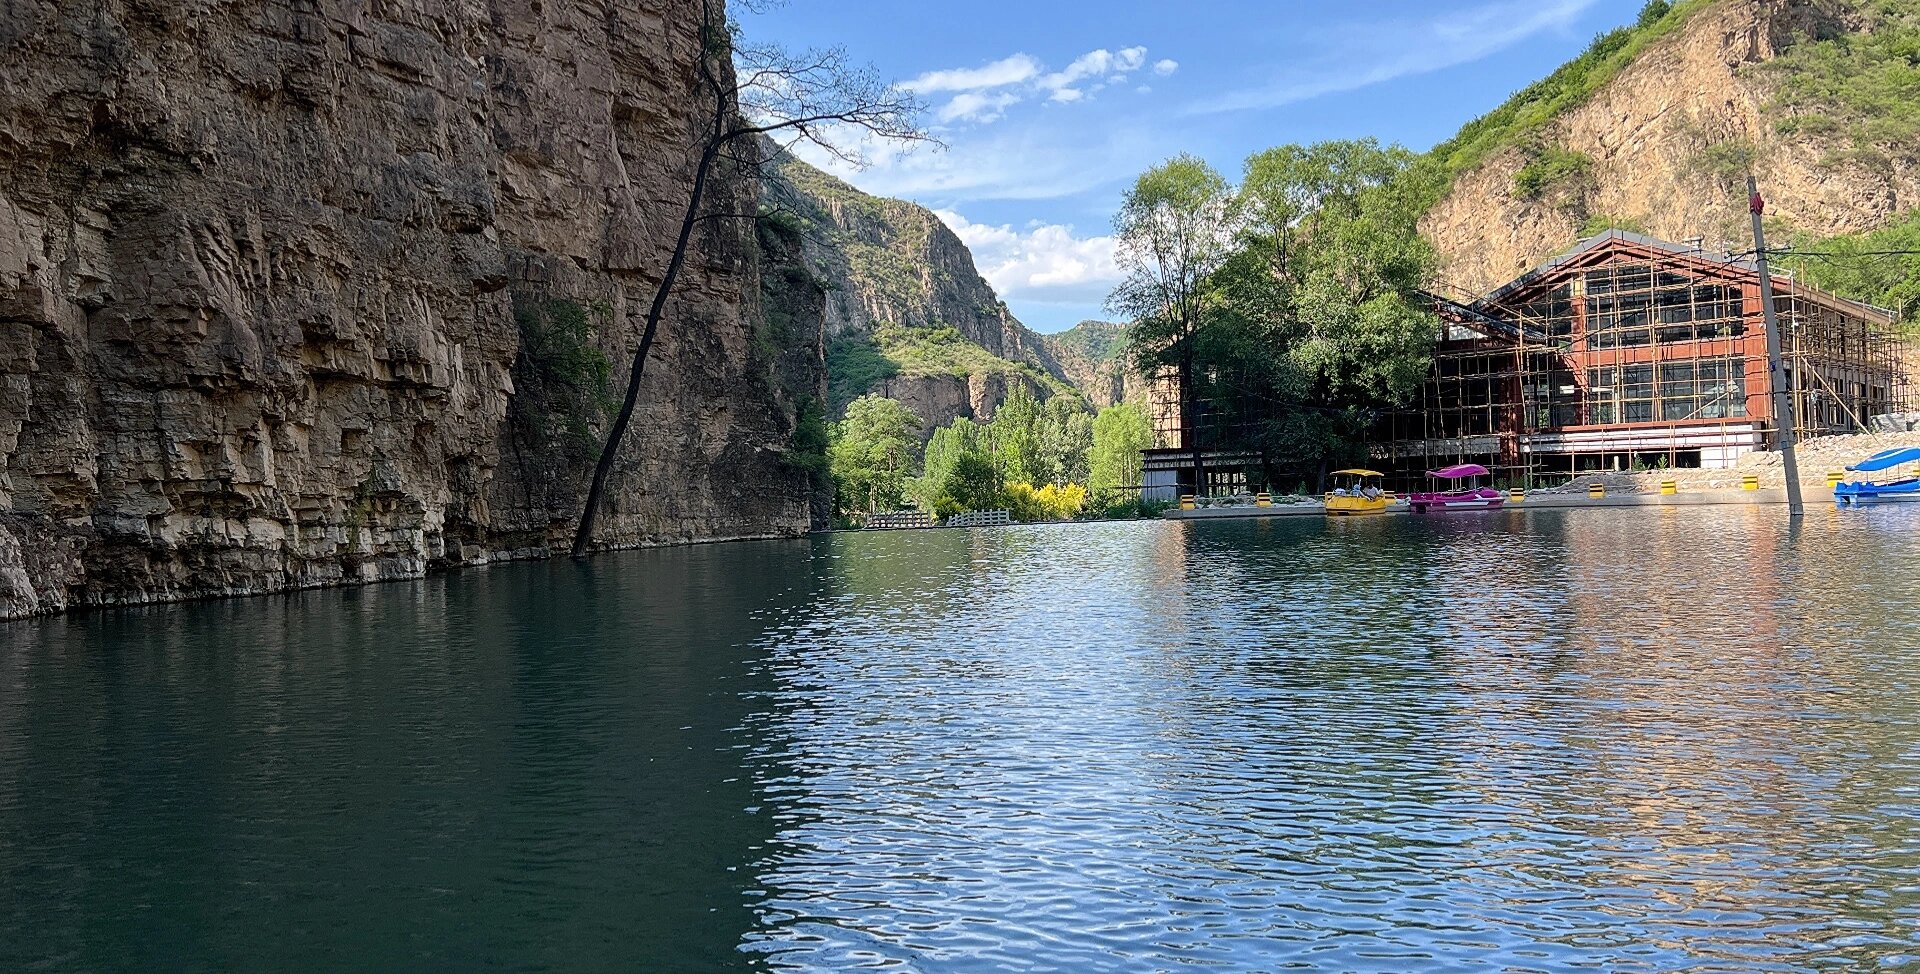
(899, 520)
(980, 519)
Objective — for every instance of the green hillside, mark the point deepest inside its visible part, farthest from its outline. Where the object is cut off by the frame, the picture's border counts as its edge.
(1094, 341)
(1571, 85)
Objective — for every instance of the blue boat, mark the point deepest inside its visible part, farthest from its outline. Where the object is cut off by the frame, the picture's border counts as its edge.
(1854, 493)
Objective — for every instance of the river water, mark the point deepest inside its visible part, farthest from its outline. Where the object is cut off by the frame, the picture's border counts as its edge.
(1621, 740)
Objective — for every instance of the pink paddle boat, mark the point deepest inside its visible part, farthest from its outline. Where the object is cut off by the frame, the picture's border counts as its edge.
(1466, 497)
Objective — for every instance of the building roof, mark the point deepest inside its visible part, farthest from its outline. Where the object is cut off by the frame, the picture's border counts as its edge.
(1611, 240)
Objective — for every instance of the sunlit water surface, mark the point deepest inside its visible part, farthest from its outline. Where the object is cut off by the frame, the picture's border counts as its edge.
(1645, 740)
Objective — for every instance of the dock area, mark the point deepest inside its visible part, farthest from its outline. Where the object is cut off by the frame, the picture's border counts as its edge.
(1812, 496)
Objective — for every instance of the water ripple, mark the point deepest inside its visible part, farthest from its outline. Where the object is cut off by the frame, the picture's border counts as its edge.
(1623, 741)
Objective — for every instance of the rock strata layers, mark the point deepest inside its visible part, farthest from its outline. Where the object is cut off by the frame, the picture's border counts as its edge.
(1667, 139)
(309, 293)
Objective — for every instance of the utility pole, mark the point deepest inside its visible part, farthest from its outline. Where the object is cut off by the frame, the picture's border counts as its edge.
(1781, 396)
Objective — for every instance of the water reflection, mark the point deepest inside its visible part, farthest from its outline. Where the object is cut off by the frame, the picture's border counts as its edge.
(533, 767)
(1653, 740)
(1537, 741)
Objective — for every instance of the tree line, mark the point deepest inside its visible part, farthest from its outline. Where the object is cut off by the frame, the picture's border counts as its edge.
(1289, 307)
(1040, 460)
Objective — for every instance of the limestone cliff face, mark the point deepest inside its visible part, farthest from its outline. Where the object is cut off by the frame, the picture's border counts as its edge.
(896, 276)
(1092, 355)
(1667, 138)
(268, 271)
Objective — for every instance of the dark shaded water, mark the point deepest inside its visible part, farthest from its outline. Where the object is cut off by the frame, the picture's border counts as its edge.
(1651, 740)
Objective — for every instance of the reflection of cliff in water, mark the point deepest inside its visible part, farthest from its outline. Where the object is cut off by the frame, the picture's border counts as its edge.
(541, 762)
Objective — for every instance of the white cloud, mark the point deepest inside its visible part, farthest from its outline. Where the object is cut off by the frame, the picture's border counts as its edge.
(1014, 163)
(999, 74)
(984, 93)
(1398, 49)
(1094, 64)
(1041, 263)
(973, 106)
(1165, 67)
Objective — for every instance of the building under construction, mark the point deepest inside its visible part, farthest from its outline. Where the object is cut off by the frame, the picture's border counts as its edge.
(1624, 352)
(1629, 351)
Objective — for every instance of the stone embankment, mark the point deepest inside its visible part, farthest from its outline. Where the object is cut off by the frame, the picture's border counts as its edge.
(1816, 458)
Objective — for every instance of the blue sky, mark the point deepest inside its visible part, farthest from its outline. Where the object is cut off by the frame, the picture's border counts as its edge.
(1050, 108)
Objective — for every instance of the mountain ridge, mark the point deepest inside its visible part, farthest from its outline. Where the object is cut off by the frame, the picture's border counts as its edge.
(908, 314)
(1662, 140)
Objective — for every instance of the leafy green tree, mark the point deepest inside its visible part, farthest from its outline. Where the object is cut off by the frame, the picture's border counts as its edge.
(1324, 323)
(873, 454)
(1066, 434)
(961, 438)
(1175, 231)
(971, 483)
(1882, 267)
(1018, 441)
(1120, 432)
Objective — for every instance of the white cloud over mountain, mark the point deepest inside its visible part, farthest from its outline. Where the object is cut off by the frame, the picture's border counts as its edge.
(1045, 262)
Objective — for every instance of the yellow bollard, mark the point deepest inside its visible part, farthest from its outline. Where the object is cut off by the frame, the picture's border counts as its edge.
(1517, 496)
(1750, 482)
(1669, 487)
(1596, 491)
(1187, 504)
(1834, 477)
(1264, 500)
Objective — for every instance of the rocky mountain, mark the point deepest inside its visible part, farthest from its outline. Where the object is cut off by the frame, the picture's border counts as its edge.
(908, 314)
(1092, 356)
(1655, 127)
(315, 293)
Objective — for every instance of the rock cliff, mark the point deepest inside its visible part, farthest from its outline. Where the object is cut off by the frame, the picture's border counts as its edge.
(1664, 147)
(309, 293)
(908, 314)
(1092, 356)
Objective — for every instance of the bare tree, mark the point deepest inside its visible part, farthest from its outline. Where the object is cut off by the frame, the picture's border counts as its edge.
(754, 94)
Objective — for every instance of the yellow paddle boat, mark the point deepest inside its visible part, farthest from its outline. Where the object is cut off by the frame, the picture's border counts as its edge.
(1357, 492)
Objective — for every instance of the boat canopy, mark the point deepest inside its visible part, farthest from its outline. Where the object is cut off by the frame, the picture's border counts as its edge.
(1887, 459)
(1361, 473)
(1459, 472)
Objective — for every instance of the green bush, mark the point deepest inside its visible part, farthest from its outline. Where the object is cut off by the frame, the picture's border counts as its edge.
(1600, 223)
(1862, 86)
(1859, 266)
(855, 365)
(560, 375)
(811, 439)
(1725, 164)
(1568, 87)
(1551, 169)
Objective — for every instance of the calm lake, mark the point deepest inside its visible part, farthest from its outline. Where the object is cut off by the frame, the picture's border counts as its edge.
(1616, 740)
